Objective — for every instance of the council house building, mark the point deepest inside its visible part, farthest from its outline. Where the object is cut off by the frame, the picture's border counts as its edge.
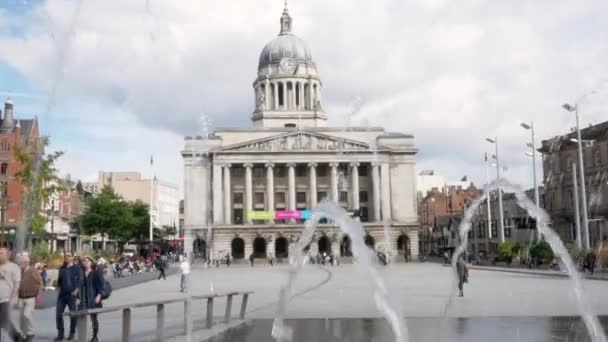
(249, 190)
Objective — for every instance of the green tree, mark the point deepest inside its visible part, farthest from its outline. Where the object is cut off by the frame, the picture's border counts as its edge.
(505, 250)
(38, 176)
(542, 251)
(108, 214)
(141, 225)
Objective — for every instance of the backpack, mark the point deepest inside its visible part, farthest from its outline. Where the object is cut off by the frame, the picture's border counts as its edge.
(106, 291)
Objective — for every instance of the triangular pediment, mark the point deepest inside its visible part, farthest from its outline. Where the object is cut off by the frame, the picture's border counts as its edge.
(298, 141)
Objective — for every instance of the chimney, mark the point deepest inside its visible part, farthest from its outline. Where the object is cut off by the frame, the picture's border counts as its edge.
(8, 123)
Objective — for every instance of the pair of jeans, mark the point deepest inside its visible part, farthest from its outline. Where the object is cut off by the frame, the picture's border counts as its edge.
(184, 282)
(162, 274)
(62, 303)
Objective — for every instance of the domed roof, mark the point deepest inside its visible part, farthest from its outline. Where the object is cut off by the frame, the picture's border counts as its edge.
(284, 46)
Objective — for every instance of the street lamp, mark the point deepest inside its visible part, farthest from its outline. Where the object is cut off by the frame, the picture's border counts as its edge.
(530, 127)
(501, 223)
(579, 141)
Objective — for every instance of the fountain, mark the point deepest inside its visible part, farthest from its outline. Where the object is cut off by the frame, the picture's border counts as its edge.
(594, 328)
(365, 257)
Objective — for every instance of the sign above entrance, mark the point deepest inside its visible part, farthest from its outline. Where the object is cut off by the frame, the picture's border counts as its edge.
(278, 215)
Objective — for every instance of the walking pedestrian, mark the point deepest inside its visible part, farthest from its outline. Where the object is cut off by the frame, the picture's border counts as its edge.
(590, 262)
(463, 274)
(160, 264)
(184, 266)
(91, 289)
(68, 282)
(29, 288)
(10, 277)
(251, 259)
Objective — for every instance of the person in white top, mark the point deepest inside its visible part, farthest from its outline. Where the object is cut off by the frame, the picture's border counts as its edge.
(184, 266)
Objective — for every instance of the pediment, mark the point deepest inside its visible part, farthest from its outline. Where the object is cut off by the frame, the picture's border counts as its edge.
(298, 141)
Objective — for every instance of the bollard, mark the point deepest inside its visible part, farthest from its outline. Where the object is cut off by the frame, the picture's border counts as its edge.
(244, 305)
(228, 308)
(82, 328)
(126, 324)
(209, 312)
(187, 317)
(160, 322)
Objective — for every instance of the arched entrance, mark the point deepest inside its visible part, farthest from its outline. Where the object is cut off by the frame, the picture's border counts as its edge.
(324, 245)
(281, 247)
(259, 247)
(237, 248)
(403, 246)
(370, 241)
(199, 247)
(345, 247)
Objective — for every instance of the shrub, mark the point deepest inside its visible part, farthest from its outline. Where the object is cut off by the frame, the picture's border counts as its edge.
(505, 250)
(542, 251)
(40, 252)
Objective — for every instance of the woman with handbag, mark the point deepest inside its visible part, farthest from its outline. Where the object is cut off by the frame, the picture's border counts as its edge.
(91, 290)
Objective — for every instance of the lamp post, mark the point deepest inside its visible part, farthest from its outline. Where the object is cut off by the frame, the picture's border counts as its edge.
(501, 223)
(532, 146)
(489, 204)
(574, 109)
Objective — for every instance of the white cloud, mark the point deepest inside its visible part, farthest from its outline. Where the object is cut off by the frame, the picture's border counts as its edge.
(451, 73)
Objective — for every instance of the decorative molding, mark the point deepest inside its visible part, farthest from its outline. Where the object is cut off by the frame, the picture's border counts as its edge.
(313, 164)
(299, 141)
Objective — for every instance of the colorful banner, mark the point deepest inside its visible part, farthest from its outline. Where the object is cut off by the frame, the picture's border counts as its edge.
(287, 214)
(260, 215)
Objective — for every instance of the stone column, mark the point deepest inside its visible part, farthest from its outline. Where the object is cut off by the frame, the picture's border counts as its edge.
(270, 188)
(376, 191)
(218, 208)
(355, 185)
(385, 183)
(227, 195)
(266, 93)
(310, 96)
(334, 181)
(248, 191)
(312, 185)
(291, 186)
(196, 182)
(276, 95)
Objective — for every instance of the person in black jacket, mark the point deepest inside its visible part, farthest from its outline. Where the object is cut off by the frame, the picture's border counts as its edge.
(68, 283)
(91, 289)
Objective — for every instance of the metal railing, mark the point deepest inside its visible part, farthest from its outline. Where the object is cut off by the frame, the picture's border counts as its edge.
(160, 313)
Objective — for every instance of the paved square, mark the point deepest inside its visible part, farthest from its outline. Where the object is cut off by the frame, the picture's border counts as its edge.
(422, 290)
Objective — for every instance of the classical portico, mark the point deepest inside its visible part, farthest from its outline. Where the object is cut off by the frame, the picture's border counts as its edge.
(290, 161)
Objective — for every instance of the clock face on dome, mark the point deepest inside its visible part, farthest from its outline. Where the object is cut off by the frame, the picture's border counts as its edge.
(288, 65)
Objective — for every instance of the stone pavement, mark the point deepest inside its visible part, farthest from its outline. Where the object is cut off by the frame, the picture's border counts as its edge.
(421, 289)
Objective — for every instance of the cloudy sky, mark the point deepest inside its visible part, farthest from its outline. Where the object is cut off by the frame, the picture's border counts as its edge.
(115, 81)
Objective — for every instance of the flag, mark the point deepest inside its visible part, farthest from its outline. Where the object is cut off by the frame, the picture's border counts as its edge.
(485, 157)
(151, 160)
(464, 179)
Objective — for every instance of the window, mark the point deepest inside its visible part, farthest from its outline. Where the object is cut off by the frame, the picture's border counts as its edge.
(363, 171)
(258, 172)
(259, 198)
(5, 146)
(280, 172)
(300, 197)
(494, 230)
(4, 169)
(364, 214)
(237, 171)
(237, 216)
(507, 232)
(281, 103)
(301, 170)
(597, 157)
(279, 198)
(363, 196)
(482, 230)
(322, 171)
(237, 198)
(290, 125)
(343, 196)
(321, 195)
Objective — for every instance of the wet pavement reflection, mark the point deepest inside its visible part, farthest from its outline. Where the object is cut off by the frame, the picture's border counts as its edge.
(495, 329)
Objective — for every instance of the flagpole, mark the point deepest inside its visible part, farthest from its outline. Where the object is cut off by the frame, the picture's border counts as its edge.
(489, 205)
(151, 232)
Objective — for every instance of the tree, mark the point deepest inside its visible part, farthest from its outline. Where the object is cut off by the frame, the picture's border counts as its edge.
(505, 250)
(107, 214)
(542, 251)
(38, 177)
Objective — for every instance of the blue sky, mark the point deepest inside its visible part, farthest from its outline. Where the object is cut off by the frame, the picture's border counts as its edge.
(115, 81)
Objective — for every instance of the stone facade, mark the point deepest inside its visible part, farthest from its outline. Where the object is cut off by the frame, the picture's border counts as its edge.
(291, 160)
(559, 154)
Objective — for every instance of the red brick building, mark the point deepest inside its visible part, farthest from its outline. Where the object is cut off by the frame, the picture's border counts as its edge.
(13, 132)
